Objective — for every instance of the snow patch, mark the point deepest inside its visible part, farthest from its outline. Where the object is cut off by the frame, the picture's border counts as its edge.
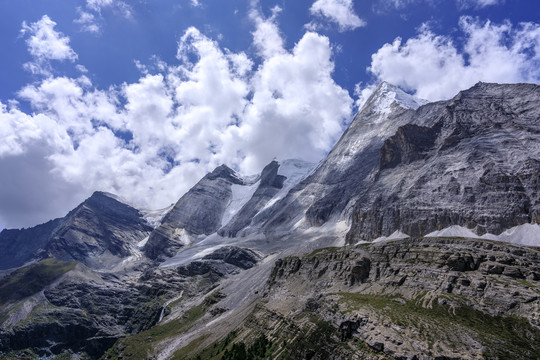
(453, 231)
(396, 235)
(526, 234)
(240, 196)
(334, 228)
(205, 252)
(183, 236)
(154, 217)
(294, 170)
(143, 242)
(388, 94)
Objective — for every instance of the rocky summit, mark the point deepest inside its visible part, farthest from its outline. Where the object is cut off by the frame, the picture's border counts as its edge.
(417, 237)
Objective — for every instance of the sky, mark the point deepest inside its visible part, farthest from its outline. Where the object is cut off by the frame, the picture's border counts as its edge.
(141, 98)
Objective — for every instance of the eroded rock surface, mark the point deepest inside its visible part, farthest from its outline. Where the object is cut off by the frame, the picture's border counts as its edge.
(429, 298)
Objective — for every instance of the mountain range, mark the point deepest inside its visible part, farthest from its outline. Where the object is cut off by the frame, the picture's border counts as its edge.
(416, 237)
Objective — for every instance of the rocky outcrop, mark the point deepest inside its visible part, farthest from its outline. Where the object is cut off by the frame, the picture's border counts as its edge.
(470, 161)
(239, 257)
(19, 246)
(83, 312)
(99, 233)
(220, 263)
(332, 188)
(86, 312)
(199, 211)
(269, 185)
(410, 143)
(400, 296)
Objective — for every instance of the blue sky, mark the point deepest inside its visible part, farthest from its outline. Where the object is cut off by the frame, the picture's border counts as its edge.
(141, 98)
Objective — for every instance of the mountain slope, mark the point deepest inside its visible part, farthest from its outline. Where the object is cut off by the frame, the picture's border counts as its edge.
(100, 232)
(225, 204)
(330, 190)
(471, 161)
(19, 246)
(241, 264)
(198, 212)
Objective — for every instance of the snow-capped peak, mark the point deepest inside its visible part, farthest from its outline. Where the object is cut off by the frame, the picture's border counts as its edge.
(385, 95)
(115, 197)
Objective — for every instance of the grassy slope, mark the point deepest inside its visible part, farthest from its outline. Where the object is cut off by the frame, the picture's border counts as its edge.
(141, 346)
(31, 279)
(504, 337)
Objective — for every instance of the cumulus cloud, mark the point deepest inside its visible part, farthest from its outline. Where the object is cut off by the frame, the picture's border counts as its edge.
(116, 5)
(266, 37)
(87, 21)
(387, 5)
(90, 17)
(151, 140)
(45, 44)
(340, 12)
(465, 4)
(434, 67)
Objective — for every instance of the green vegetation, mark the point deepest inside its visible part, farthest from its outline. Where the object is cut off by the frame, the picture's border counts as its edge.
(32, 278)
(326, 250)
(316, 338)
(306, 336)
(504, 337)
(319, 339)
(257, 351)
(140, 346)
(213, 352)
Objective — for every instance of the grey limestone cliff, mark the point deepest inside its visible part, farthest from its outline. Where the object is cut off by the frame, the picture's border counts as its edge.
(98, 233)
(332, 188)
(270, 183)
(419, 298)
(198, 212)
(472, 161)
(19, 246)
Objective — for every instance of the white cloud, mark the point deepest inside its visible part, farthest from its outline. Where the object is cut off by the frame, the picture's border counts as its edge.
(435, 68)
(266, 37)
(465, 4)
(340, 12)
(116, 5)
(91, 19)
(387, 5)
(151, 140)
(45, 44)
(87, 21)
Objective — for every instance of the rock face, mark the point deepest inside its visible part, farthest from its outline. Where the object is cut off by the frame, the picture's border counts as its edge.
(54, 306)
(224, 261)
(19, 246)
(242, 258)
(332, 188)
(199, 211)
(471, 161)
(209, 273)
(400, 296)
(270, 183)
(98, 233)
(83, 311)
